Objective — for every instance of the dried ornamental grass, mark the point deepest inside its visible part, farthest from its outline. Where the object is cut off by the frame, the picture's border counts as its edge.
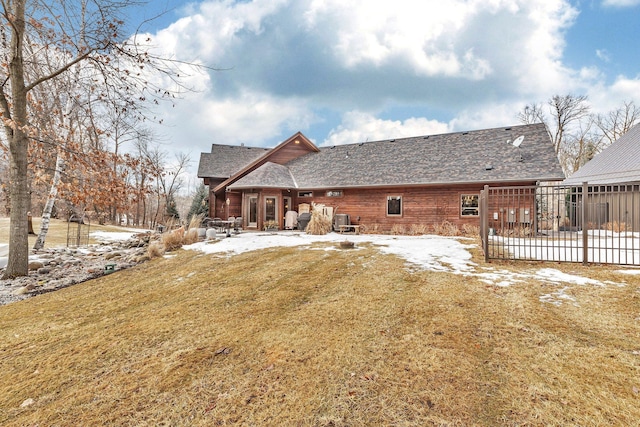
(173, 239)
(398, 229)
(319, 224)
(446, 228)
(418, 229)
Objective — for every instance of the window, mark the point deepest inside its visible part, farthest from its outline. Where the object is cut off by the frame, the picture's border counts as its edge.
(334, 193)
(394, 205)
(469, 205)
(305, 193)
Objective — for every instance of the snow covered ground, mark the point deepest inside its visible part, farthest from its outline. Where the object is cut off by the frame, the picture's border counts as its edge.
(429, 252)
(603, 247)
(436, 253)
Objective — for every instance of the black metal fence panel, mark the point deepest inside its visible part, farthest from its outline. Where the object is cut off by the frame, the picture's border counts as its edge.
(587, 223)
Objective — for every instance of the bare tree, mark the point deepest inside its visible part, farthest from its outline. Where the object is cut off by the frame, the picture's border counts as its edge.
(81, 32)
(617, 122)
(565, 111)
(576, 134)
(531, 114)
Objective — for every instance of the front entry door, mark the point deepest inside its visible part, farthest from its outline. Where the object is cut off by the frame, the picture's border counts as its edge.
(252, 210)
(271, 209)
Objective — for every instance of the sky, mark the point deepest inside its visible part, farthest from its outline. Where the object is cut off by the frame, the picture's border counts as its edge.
(348, 71)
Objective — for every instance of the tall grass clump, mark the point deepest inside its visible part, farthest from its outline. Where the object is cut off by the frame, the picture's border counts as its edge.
(155, 249)
(370, 228)
(191, 236)
(319, 223)
(418, 229)
(173, 240)
(446, 228)
(398, 229)
(470, 230)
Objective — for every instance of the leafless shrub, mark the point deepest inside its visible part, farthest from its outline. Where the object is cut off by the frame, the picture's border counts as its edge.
(370, 229)
(398, 229)
(617, 227)
(518, 231)
(418, 229)
(446, 228)
(470, 230)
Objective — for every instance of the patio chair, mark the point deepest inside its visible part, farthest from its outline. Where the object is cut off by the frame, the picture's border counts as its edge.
(237, 224)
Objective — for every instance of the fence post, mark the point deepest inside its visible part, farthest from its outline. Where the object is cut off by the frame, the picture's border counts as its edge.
(585, 226)
(484, 225)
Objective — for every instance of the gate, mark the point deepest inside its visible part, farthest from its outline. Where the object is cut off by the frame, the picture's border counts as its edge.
(78, 230)
(587, 223)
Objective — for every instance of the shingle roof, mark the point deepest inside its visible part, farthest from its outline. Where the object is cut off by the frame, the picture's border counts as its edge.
(225, 160)
(482, 156)
(268, 175)
(618, 163)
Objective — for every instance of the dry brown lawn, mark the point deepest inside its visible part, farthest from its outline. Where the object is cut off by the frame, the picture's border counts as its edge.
(58, 230)
(302, 337)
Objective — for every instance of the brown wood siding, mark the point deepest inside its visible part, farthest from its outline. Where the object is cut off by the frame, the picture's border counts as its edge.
(420, 205)
(289, 152)
(220, 209)
(214, 198)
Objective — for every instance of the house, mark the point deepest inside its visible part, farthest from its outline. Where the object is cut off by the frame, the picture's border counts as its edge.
(613, 184)
(619, 163)
(397, 182)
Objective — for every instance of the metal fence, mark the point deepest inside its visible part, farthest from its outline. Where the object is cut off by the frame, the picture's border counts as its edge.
(586, 223)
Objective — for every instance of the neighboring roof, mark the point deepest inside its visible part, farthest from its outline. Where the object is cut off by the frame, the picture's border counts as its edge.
(617, 164)
(268, 175)
(482, 156)
(225, 160)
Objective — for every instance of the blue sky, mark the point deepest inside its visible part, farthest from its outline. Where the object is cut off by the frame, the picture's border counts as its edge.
(345, 71)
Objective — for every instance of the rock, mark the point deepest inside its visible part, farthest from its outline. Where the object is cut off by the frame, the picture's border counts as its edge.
(25, 289)
(112, 255)
(57, 268)
(27, 402)
(35, 265)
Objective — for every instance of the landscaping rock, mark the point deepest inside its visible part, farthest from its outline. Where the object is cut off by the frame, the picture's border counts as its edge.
(56, 268)
(35, 265)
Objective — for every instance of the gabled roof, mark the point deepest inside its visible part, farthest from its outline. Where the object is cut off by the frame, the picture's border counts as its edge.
(225, 160)
(482, 156)
(291, 148)
(618, 163)
(268, 175)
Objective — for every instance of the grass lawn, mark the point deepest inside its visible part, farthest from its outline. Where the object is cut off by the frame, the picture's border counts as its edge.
(310, 337)
(57, 234)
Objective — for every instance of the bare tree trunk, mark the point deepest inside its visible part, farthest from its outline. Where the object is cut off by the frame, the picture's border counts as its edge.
(18, 262)
(48, 207)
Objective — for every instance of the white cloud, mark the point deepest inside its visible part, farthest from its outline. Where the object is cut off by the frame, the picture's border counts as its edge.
(603, 55)
(294, 64)
(621, 3)
(358, 126)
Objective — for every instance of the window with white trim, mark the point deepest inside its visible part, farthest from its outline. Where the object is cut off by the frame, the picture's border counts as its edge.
(394, 205)
(469, 205)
